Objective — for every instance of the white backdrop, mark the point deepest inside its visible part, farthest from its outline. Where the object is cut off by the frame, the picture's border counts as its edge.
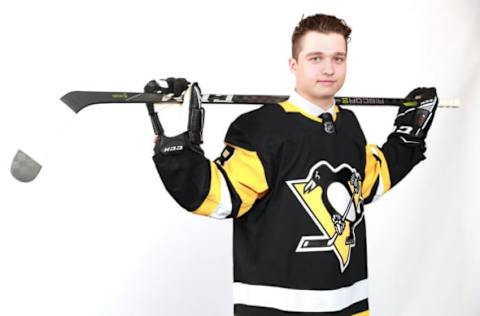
(97, 234)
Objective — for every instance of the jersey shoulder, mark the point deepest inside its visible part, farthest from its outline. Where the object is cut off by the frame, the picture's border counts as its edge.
(248, 129)
(348, 121)
(348, 115)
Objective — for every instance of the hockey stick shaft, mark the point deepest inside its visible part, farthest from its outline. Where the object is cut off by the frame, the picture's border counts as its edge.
(78, 100)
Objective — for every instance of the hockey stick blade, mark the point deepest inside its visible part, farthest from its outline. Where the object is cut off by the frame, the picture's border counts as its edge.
(77, 100)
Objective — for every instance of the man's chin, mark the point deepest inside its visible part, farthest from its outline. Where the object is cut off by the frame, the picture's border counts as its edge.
(324, 95)
(320, 93)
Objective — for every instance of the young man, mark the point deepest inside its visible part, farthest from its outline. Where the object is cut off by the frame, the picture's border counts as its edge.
(295, 177)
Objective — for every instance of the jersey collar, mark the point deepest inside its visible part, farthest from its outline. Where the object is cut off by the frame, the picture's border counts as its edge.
(297, 103)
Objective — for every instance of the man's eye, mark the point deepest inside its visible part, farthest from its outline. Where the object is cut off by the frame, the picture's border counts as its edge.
(315, 59)
(339, 59)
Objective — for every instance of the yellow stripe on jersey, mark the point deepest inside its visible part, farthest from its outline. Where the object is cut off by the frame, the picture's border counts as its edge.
(290, 107)
(247, 176)
(212, 200)
(335, 111)
(364, 313)
(376, 170)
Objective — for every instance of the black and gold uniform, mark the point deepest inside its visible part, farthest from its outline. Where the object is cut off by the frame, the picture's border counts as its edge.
(296, 192)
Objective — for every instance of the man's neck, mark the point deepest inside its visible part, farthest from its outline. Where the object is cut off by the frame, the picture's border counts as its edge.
(324, 103)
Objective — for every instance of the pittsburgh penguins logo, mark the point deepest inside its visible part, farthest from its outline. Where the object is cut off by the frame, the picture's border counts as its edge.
(332, 197)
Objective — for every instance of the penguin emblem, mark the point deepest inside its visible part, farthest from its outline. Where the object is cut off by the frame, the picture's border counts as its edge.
(332, 198)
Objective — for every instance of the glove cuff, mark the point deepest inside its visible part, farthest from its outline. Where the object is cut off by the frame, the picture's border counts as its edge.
(175, 145)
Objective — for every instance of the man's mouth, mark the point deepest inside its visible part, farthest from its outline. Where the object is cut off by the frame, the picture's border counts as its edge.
(326, 82)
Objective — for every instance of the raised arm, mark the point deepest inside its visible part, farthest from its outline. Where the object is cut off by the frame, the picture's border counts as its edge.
(224, 188)
(387, 165)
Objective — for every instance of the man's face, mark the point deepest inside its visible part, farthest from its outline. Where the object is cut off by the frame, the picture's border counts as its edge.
(320, 68)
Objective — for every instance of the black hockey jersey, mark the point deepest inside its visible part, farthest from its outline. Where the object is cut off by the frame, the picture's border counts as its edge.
(296, 193)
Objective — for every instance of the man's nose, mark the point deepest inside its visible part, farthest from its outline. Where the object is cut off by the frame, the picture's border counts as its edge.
(327, 67)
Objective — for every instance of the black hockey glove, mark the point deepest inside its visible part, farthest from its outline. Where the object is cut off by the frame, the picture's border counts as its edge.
(192, 138)
(415, 116)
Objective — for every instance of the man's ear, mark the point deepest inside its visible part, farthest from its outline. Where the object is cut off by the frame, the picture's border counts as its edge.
(292, 65)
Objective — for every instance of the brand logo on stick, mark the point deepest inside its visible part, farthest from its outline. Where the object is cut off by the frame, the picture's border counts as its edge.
(119, 95)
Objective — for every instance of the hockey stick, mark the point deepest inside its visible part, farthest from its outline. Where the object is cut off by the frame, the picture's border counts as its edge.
(78, 100)
(344, 217)
(25, 169)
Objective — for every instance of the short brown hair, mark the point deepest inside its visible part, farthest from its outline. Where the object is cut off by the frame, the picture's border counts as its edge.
(320, 23)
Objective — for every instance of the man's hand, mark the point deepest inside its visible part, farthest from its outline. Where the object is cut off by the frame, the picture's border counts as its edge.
(192, 138)
(173, 86)
(415, 116)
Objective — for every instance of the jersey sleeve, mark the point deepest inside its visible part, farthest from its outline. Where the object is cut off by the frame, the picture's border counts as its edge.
(227, 187)
(385, 166)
